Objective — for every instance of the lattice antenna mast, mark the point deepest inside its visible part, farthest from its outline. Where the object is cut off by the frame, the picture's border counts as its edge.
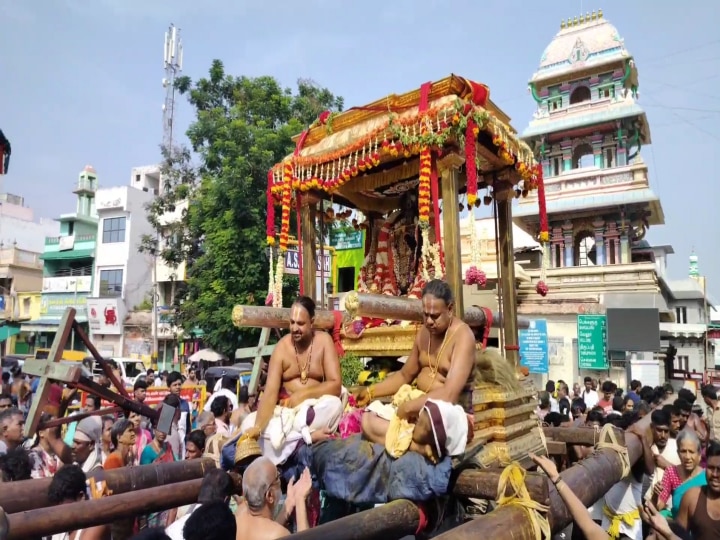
(173, 61)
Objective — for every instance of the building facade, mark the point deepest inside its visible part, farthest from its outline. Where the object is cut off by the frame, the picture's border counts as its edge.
(20, 280)
(68, 266)
(587, 132)
(122, 278)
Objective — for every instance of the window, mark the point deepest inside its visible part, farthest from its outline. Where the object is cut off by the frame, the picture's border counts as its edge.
(681, 363)
(580, 94)
(606, 92)
(111, 283)
(609, 157)
(113, 230)
(556, 166)
(681, 315)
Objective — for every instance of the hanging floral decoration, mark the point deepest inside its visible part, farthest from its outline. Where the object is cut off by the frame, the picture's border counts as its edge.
(474, 274)
(471, 134)
(424, 188)
(406, 135)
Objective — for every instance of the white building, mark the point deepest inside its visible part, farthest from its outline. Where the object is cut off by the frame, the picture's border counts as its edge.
(123, 276)
(19, 228)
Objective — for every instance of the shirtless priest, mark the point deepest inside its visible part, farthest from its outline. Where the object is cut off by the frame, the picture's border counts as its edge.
(440, 367)
(302, 397)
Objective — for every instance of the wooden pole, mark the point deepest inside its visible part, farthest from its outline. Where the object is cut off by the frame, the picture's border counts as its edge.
(84, 514)
(449, 168)
(368, 305)
(483, 484)
(392, 520)
(589, 480)
(32, 494)
(583, 436)
(506, 254)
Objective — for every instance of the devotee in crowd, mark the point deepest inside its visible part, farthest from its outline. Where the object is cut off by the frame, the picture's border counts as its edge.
(159, 451)
(140, 393)
(262, 493)
(678, 479)
(143, 437)
(69, 486)
(563, 400)
(150, 377)
(217, 486)
(709, 395)
(634, 394)
(106, 439)
(123, 439)
(92, 403)
(578, 410)
(206, 423)
(15, 465)
(441, 366)
(195, 444)
(5, 400)
(693, 418)
(628, 404)
(608, 392)
(699, 511)
(227, 389)
(589, 395)
(45, 462)
(304, 381)
(175, 438)
(86, 449)
(222, 409)
(550, 389)
(212, 521)
(192, 379)
(664, 449)
(174, 382)
(544, 406)
(6, 388)
(12, 424)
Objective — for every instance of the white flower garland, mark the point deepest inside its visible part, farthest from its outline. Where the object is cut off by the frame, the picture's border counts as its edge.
(474, 241)
(271, 279)
(278, 284)
(430, 256)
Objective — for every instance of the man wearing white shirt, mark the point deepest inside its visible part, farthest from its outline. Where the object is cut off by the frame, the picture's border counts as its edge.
(227, 390)
(589, 396)
(217, 486)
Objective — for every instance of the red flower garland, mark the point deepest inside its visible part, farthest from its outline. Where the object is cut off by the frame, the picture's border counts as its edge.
(542, 204)
(270, 222)
(471, 133)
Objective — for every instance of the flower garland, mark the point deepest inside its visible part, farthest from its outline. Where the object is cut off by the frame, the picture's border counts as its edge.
(270, 222)
(430, 257)
(270, 299)
(544, 236)
(278, 282)
(471, 134)
(424, 188)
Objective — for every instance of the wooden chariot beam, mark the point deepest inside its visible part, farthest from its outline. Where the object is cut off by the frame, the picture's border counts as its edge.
(391, 307)
(582, 436)
(80, 515)
(483, 484)
(32, 494)
(395, 519)
(589, 480)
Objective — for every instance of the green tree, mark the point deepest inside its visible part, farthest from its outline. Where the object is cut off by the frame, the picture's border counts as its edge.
(242, 127)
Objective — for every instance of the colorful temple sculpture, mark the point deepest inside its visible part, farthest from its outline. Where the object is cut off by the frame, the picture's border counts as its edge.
(588, 132)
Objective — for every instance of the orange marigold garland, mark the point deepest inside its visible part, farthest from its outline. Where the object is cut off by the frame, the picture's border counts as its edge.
(424, 187)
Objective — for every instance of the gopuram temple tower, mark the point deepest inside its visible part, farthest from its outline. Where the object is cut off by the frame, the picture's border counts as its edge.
(588, 132)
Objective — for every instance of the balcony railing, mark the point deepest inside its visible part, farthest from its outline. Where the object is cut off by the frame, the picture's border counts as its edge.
(85, 184)
(78, 271)
(52, 240)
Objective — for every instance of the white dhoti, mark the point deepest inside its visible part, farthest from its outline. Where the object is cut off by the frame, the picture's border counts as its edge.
(290, 425)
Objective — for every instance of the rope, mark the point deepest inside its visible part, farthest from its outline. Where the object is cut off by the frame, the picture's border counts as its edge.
(608, 440)
(514, 476)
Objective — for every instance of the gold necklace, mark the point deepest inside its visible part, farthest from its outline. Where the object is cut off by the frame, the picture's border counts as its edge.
(304, 370)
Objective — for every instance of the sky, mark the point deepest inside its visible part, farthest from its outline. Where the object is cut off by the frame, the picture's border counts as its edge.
(81, 80)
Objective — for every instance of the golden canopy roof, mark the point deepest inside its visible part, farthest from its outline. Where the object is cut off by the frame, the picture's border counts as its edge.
(354, 154)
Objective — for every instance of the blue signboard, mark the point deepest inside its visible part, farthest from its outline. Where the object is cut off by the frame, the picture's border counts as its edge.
(534, 347)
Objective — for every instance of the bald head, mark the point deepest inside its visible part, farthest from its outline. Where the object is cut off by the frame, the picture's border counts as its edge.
(257, 481)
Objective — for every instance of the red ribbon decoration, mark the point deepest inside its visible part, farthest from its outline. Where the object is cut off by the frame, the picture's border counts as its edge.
(300, 244)
(435, 196)
(270, 221)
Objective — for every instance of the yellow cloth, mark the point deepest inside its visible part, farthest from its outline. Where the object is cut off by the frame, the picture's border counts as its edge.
(617, 519)
(400, 431)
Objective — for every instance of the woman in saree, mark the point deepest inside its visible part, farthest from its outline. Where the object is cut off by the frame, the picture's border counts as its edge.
(679, 478)
(158, 451)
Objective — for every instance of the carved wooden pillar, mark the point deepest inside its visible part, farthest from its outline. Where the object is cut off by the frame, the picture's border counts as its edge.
(504, 195)
(449, 168)
(308, 214)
